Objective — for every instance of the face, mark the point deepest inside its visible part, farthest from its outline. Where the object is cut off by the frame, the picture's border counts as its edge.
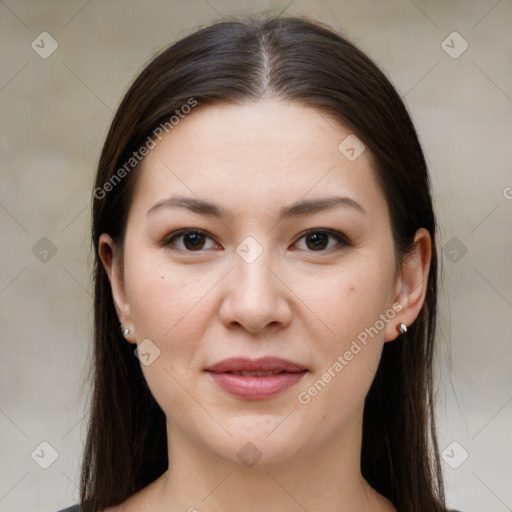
(251, 235)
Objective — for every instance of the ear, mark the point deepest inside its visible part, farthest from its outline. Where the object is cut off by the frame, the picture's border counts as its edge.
(111, 260)
(412, 282)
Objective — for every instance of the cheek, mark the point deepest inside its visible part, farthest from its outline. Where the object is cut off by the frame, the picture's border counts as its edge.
(161, 297)
(348, 302)
(357, 308)
(348, 359)
(354, 303)
(169, 308)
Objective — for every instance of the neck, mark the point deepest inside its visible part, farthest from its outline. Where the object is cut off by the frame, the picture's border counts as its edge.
(322, 479)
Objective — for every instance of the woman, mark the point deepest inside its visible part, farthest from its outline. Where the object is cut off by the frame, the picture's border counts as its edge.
(265, 284)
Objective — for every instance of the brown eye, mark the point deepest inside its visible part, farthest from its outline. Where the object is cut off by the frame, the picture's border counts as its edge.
(191, 241)
(318, 240)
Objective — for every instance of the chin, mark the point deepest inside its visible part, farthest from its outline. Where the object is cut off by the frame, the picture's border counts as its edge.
(257, 444)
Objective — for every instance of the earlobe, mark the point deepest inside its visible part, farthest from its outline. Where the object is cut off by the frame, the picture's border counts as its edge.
(413, 282)
(111, 262)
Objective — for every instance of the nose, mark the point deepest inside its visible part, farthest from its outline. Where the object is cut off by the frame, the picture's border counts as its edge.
(255, 297)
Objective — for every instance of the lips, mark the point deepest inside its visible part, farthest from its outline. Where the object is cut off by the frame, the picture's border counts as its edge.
(256, 379)
(264, 364)
(255, 374)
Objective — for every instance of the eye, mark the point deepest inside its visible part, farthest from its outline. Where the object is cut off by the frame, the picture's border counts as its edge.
(321, 240)
(191, 240)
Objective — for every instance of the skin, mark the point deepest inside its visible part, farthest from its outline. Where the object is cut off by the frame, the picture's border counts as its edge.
(295, 301)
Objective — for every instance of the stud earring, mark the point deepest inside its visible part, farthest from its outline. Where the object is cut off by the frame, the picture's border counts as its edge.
(402, 328)
(125, 331)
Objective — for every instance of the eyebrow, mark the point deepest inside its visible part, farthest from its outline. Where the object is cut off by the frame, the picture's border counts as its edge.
(297, 209)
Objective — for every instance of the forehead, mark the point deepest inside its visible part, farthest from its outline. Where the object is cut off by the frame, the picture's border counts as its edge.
(256, 155)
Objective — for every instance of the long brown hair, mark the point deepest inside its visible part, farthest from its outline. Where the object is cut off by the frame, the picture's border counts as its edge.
(297, 60)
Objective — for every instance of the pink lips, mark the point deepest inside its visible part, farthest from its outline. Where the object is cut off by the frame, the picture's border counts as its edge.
(256, 379)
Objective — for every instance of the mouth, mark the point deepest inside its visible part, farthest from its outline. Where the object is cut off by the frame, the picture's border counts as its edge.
(254, 374)
(256, 379)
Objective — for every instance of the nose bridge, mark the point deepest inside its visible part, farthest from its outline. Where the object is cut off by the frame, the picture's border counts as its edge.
(254, 297)
(252, 279)
(252, 260)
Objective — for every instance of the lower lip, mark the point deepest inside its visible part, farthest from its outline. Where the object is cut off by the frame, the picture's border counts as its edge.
(256, 388)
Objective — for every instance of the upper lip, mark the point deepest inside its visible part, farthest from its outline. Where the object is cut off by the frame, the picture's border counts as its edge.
(263, 364)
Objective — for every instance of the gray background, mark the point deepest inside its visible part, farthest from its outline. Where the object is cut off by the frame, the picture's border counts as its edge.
(54, 115)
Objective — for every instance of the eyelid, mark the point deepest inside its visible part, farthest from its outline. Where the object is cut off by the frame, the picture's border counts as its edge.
(167, 242)
(340, 237)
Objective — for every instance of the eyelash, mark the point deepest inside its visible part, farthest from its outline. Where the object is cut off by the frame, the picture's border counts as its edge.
(340, 238)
